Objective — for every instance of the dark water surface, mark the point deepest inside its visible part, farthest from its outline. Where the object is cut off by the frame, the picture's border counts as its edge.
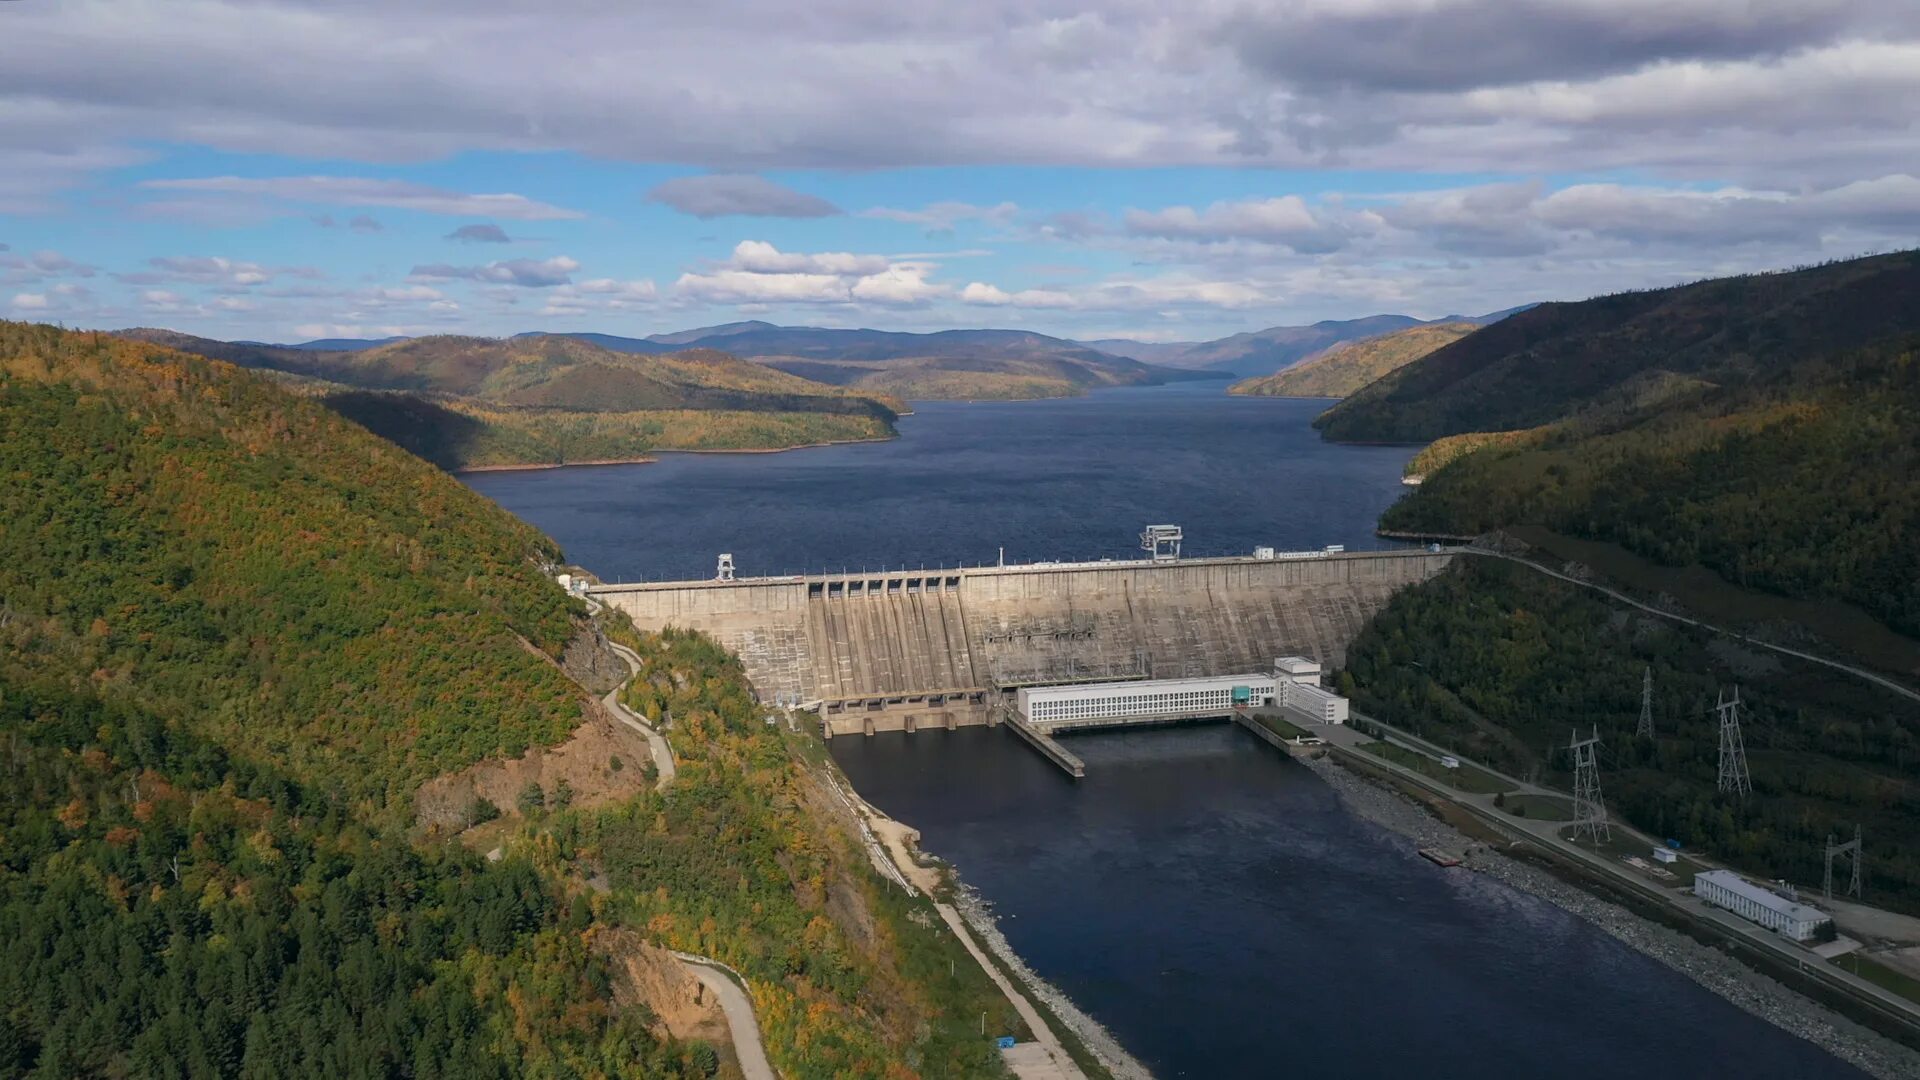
(1207, 899)
(1069, 479)
(1213, 904)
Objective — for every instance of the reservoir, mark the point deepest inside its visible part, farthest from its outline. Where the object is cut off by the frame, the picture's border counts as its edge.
(1208, 900)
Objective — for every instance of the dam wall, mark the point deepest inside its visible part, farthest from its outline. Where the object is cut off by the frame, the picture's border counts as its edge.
(932, 648)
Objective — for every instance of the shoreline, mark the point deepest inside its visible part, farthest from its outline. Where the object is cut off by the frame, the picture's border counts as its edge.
(652, 457)
(1720, 974)
(900, 843)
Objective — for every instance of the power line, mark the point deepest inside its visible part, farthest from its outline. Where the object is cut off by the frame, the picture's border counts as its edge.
(1734, 777)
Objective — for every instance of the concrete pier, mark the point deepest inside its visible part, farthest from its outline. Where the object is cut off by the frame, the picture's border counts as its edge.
(909, 650)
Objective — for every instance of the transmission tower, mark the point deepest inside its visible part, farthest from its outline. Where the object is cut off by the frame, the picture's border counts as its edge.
(1645, 730)
(1589, 813)
(1733, 752)
(1852, 850)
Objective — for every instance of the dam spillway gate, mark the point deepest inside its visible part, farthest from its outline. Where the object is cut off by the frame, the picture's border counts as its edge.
(909, 650)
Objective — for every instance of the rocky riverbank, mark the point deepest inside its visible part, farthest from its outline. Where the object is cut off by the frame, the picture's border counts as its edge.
(1097, 1039)
(1715, 970)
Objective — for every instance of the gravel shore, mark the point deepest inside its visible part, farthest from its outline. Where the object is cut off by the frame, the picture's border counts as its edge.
(1715, 970)
(1100, 1042)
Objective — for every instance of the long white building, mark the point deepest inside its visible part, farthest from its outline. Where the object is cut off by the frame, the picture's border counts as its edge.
(1726, 889)
(1092, 704)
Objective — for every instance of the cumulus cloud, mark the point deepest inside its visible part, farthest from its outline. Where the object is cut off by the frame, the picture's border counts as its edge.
(865, 84)
(744, 194)
(524, 273)
(29, 269)
(759, 273)
(480, 234)
(1466, 44)
(30, 301)
(1283, 220)
(365, 191)
(200, 269)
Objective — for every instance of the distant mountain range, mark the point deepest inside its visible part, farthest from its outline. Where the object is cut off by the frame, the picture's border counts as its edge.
(979, 363)
(1263, 352)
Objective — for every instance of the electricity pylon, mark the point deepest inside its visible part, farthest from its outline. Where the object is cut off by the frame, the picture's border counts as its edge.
(1645, 730)
(1589, 813)
(1734, 777)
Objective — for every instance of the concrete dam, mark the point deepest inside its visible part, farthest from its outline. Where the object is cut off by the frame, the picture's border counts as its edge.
(905, 650)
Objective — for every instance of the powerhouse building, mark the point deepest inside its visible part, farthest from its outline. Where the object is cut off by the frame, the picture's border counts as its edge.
(1070, 706)
(1726, 889)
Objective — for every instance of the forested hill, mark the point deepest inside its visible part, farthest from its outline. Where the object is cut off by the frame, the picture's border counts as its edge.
(193, 538)
(1553, 360)
(465, 402)
(236, 633)
(1800, 482)
(1349, 366)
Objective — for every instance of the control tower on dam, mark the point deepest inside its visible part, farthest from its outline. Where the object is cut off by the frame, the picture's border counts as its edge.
(906, 650)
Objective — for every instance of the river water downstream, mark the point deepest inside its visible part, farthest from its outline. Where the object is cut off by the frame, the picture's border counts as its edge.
(1208, 900)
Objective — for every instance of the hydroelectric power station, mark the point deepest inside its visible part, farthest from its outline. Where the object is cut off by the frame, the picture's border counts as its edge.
(906, 650)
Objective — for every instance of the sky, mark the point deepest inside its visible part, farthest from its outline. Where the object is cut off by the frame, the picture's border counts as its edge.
(283, 170)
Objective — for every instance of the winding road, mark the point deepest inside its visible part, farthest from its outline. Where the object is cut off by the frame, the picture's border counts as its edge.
(747, 1045)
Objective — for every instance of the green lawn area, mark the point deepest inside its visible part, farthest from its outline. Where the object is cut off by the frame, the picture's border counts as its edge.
(1540, 807)
(1283, 728)
(1880, 975)
(1621, 844)
(1468, 778)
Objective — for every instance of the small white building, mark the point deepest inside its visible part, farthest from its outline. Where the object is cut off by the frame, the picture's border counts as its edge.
(1091, 703)
(1665, 855)
(1316, 704)
(1726, 889)
(1297, 669)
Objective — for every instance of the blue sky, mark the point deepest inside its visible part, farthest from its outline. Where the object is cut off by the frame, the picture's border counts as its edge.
(289, 170)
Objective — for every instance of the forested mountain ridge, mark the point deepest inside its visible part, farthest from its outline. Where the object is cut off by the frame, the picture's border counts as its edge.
(1800, 482)
(465, 402)
(1553, 360)
(177, 527)
(235, 633)
(1345, 368)
(1499, 662)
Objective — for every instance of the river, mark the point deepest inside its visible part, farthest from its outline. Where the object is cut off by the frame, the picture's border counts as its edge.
(1207, 899)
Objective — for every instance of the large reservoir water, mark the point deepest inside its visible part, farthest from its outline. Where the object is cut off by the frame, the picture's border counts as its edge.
(1069, 479)
(1207, 899)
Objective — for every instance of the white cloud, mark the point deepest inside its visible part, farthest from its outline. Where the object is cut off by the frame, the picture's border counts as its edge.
(759, 273)
(760, 257)
(30, 301)
(726, 194)
(943, 216)
(366, 191)
(524, 273)
(979, 292)
(1282, 220)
